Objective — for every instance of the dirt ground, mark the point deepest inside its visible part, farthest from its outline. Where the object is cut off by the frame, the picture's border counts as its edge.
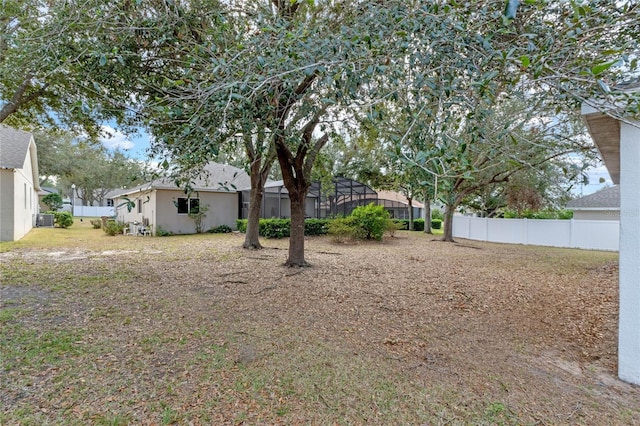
(408, 331)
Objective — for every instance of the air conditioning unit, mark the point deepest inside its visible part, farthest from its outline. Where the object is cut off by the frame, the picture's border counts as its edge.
(45, 220)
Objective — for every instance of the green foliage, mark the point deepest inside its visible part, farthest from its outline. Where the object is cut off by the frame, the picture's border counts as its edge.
(316, 226)
(372, 219)
(96, 223)
(197, 215)
(62, 219)
(221, 229)
(275, 228)
(436, 223)
(538, 214)
(345, 228)
(241, 225)
(53, 201)
(161, 232)
(418, 224)
(280, 228)
(113, 227)
(436, 214)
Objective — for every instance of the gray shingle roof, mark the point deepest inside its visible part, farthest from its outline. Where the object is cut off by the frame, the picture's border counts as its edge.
(14, 145)
(216, 177)
(605, 198)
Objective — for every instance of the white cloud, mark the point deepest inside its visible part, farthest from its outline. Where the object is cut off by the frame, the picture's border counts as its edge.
(113, 139)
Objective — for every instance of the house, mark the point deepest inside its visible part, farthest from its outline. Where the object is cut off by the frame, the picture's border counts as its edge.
(601, 205)
(619, 144)
(398, 205)
(162, 205)
(19, 186)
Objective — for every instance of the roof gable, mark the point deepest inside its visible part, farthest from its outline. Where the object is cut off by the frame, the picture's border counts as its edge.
(605, 198)
(14, 145)
(215, 177)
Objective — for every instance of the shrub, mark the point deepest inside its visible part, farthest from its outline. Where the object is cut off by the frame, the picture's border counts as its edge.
(346, 228)
(403, 224)
(418, 225)
(161, 232)
(275, 228)
(436, 214)
(241, 224)
(62, 219)
(221, 229)
(372, 219)
(53, 201)
(436, 224)
(96, 223)
(197, 215)
(113, 227)
(565, 214)
(316, 226)
(393, 226)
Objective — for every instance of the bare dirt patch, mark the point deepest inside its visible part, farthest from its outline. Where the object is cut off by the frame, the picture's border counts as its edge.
(409, 331)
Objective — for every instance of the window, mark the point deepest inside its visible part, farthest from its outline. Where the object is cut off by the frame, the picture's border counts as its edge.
(109, 202)
(139, 206)
(186, 205)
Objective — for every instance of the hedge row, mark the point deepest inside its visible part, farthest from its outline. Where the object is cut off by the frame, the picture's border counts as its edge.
(418, 224)
(280, 228)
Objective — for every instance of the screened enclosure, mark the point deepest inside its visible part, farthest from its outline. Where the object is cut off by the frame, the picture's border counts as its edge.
(339, 199)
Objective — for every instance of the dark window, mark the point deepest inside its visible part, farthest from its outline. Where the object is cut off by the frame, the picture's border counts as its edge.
(187, 205)
(109, 202)
(194, 204)
(183, 205)
(139, 206)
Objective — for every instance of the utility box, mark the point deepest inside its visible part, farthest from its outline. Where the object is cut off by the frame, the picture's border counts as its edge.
(45, 220)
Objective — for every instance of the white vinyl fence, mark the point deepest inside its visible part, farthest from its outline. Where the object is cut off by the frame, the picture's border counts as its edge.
(90, 211)
(584, 234)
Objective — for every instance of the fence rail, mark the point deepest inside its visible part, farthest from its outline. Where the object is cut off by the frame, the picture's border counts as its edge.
(584, 234)
(90, 211)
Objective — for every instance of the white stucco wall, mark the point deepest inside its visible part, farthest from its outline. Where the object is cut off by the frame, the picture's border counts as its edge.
(629, 319)
(6, 205)
(223, 210)
(19, 201)
(596, 214)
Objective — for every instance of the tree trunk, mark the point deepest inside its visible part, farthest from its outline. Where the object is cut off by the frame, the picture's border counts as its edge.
(296, 239)
(427, 214)
(448, 223)
(252, 235)
(410, 213)
(258, 177)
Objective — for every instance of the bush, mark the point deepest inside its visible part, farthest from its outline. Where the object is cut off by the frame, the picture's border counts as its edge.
(436, 224)
(373, 220)
(316, 226)
(96, 223)
(161, 232)
(62, 219)
(113, 227)
(53, 201)
(436, 214)
(403, 224)
(280, 228)
(241, 225)
(346, 228)
(275, 228)
(221, 229)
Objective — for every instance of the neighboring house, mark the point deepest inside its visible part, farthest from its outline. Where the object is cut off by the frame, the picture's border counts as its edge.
(19, 186)
(162, 204)
(398, 205)
(43, 192)
(601, 205)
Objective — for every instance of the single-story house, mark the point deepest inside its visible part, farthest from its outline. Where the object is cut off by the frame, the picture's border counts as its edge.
(225, 191)
(601, 205)
(161, 204)
(398, 205)
(19, 185)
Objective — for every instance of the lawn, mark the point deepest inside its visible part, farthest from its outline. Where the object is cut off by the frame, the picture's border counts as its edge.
(195, 330)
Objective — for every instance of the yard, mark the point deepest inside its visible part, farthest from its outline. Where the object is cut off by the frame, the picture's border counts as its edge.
(195, 330)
